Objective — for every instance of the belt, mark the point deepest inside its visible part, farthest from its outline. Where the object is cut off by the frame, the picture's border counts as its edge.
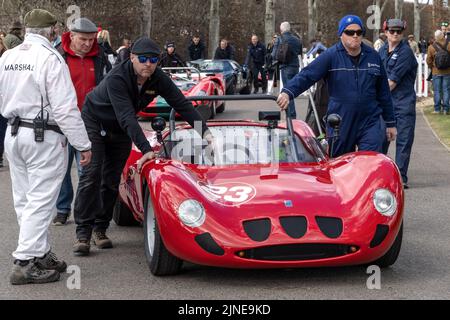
(47, 127)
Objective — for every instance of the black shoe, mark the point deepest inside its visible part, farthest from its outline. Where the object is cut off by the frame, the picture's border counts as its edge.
(82, 247)
(60, 219)
(101, 240)
(51, 262)
(405, 186)
(1, 163)
(25, 272)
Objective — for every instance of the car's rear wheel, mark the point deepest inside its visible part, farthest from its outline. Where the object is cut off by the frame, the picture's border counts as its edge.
(392, 255)
(122, 215)
(160, 261)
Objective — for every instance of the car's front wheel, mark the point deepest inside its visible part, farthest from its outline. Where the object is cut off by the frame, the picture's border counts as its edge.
(122, 215)
(391, 256)
(160, 261)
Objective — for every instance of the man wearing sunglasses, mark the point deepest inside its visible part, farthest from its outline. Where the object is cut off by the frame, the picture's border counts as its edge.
(109, 114)
(358, 89)
(401, 67)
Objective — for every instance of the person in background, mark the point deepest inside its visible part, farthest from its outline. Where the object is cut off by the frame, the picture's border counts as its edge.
(380, 42)
(224, 51)
(196, 49)
(290, 67)
(3, 121)
(14, 37)
(401, 66)
(413, 44)
(170, 59)
(123, 53)
(256, 55)
(269, 59)
(104, 41)
(316, 45)
(441, 77)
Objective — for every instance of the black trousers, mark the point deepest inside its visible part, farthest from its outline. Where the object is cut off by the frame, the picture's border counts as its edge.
(99, 181)
(256, 70)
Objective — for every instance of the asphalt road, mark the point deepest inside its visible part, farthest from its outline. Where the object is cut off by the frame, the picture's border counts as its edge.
(422, 271)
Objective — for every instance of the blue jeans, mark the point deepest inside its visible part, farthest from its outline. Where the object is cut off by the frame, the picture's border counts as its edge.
(441, 85)
(65, 198)
(3, 127)
(287, 73)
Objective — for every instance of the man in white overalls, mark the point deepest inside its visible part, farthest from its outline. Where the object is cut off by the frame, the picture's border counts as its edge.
(39, 100)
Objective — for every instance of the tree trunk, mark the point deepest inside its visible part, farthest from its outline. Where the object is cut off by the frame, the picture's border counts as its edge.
(147, 6)
(214, 26)
(399, 9)
(270, 20)
(417, 20)
(312, 19)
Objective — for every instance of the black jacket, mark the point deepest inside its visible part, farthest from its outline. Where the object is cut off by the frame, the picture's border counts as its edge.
(171, 61)
(257, 54)
(117, 100)
(124, 54)
(196, 52)
(224, 54)
(101, 63)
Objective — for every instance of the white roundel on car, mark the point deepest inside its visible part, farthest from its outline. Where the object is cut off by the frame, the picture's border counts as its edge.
(230, 194)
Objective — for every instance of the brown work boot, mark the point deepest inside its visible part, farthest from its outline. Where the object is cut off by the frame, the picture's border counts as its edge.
(82, 247)
(25, 272)
(101, 240)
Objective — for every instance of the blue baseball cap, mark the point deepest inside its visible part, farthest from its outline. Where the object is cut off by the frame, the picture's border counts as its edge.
(349, 20)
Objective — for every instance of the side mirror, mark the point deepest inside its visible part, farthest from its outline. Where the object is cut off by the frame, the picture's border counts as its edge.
(334, 121)
(158, 124)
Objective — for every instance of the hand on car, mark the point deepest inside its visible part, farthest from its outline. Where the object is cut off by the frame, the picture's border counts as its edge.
(283, 101)
(145, 158)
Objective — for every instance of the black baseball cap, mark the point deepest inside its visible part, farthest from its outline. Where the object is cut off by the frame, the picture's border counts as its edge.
(145, 47)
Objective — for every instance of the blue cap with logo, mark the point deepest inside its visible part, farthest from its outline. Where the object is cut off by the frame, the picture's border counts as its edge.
(349, 20)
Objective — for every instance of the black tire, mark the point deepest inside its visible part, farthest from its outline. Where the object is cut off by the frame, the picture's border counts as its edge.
(391, 256)
(161, 262)
(231, 90)
(122, 215)
(221, 109)
(248, 88)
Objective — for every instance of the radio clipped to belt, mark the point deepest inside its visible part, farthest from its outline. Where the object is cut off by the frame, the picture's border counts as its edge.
(40, 124)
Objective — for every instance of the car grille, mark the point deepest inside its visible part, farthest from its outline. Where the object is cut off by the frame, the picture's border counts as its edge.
(297, 252)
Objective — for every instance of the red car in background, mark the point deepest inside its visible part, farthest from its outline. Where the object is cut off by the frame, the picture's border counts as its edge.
(191, 83)
(262, 195)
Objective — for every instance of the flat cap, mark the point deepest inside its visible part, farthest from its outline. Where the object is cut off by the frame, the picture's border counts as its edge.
(83, 25)
(396, 24)
(145, 47)
(38, 18)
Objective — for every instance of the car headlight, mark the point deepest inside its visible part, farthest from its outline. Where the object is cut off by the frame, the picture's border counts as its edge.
(192, 213)
(385, 202)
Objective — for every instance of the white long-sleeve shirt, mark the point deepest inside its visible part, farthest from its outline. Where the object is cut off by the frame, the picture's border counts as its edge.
(35, 70)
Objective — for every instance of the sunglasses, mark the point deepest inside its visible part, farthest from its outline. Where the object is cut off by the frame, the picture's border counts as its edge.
(351, 33)
(144, 59)
(396, 31)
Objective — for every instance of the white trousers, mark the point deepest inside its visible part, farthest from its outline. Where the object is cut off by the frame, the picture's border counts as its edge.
(37, 171)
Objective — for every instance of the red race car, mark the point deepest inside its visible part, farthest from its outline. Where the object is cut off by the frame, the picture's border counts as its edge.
(260, 195)
(191, 82)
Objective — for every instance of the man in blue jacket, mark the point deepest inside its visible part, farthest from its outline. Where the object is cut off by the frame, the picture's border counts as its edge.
(257, 53)
(292, 64)
(401, 67)
(358, 89)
